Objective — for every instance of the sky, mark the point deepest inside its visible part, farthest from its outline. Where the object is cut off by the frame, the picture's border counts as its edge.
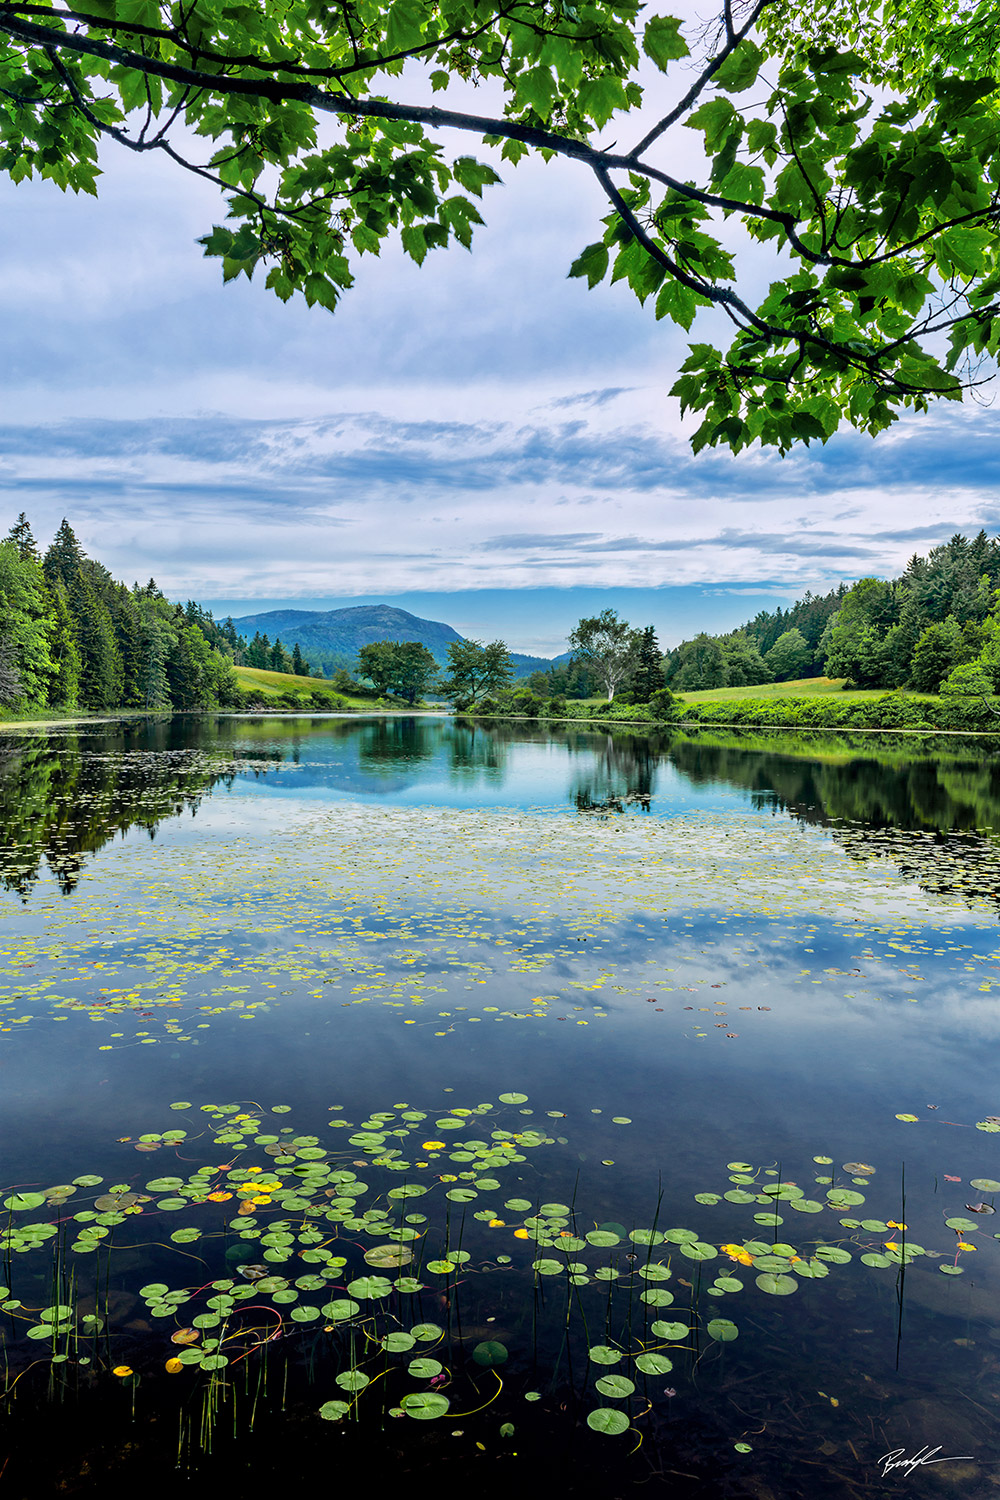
(480, 440)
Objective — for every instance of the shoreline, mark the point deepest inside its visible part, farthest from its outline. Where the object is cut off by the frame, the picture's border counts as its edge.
(649, 725)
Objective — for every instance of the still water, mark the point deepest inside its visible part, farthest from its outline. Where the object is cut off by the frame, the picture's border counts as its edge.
(493, 1101)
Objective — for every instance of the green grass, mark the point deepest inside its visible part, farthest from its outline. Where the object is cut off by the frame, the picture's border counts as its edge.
(802, 687)
(271, 684)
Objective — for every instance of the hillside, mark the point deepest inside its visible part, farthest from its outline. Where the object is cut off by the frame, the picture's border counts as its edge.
(332, 638)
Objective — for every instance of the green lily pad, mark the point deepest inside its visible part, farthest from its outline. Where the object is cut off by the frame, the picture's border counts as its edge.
(654, 1364)
(609, 1420)
(334, 1411)
(616, 1386)
(368, 1287)
(490, 1353)
(425, 1406)
(722, 1330)
(777, 1285)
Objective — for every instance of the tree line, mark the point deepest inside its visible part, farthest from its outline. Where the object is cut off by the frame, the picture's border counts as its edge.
(73, 637)
(914, 631)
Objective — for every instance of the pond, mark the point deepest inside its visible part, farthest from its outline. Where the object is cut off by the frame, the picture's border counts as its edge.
(616, 1110)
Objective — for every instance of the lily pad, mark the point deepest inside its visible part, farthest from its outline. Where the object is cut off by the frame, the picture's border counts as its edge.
(777, 1285)
(609, 1420)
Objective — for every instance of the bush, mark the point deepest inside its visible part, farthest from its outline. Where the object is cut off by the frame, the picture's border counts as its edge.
(886, 711)
(526, 705)
(663, 705)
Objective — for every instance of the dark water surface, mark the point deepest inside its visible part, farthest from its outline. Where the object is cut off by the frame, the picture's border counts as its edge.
(475, 993)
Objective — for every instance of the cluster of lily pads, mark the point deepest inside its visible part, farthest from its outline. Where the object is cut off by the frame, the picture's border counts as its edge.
(280, 1235)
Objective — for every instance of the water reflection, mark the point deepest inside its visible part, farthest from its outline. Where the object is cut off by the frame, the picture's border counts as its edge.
(64, 798)
(929, 807)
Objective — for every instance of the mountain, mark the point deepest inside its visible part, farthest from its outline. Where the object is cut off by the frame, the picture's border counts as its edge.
(525, 665)
(332, 638)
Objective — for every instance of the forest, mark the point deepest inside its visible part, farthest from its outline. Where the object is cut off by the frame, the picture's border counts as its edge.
(935, 626)
(72, 637)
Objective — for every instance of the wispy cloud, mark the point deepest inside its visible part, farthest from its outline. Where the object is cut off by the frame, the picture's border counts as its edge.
(356, 500)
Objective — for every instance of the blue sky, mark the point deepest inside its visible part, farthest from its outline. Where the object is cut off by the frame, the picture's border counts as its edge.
(481, 440)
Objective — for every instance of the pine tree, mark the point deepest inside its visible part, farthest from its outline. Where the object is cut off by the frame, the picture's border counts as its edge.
(100, 660)
(648, 675)
(64, 558)
(128, 638)
(64, 688)
(20, 535)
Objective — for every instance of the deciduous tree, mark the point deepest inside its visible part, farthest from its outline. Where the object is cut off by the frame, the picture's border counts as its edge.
(475, 672)
(856, 142)
(608, 645)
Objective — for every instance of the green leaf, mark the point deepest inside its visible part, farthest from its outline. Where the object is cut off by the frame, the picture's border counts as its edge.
(425, 1406)
(473, 175)
(723, 1330)
(618, 1387)
(414, 242)
(740, 68)
(654, 1364)
(662, 41)
(609, 1420)
(334, 1411)
(592, 263)
(715, 119)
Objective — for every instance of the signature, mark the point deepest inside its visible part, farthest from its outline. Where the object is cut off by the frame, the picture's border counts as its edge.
(895, 1459)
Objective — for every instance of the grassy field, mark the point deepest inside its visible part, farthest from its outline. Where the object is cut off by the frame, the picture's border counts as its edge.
(271, 684)
(803, 687)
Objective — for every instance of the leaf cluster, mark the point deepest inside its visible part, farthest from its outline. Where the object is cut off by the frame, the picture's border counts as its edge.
(856, 142)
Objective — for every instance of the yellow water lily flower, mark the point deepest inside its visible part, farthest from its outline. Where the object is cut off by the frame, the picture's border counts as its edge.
(737, 1253)
(122, 1370)
(964, 1245)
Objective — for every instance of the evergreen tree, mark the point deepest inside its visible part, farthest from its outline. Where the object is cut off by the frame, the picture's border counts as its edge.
(128, 638)
(101, 674)
(64, 688)
(648, 675)
(299, 665)
(64, 558)
(24, 624)
(258, 652)
(20, 535)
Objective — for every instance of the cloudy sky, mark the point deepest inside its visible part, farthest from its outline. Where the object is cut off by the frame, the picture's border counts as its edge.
(480, 440)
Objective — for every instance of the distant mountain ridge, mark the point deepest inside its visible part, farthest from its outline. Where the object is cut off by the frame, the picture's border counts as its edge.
(332, 638)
